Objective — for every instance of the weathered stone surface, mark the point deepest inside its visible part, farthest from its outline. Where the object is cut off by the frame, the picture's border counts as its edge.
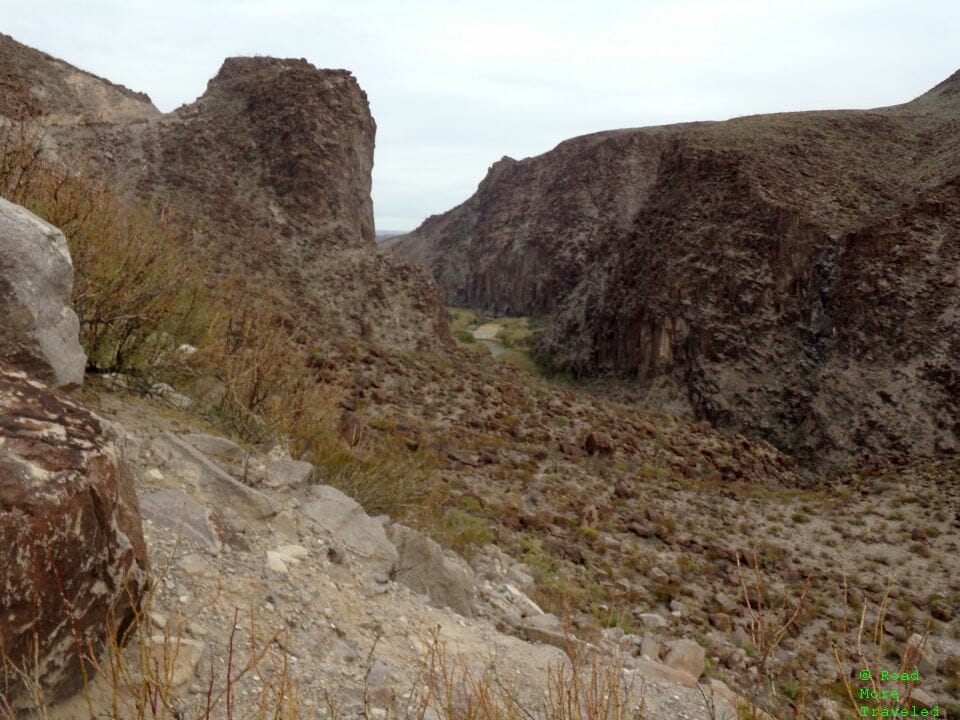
(686, 655)
(920, 653)
(178, 657)
(195, 564)
(283, 557)
(70, 534)
(657, 671)
(178, 512)
(217, 447)
(40, 331)
(192, 466)
(287, 473)
(546, 628)
(349, 525)
(653, 621)
(424, 567)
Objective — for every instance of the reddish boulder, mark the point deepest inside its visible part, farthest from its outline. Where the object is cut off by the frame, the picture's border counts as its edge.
(598, 443)
(72, 555)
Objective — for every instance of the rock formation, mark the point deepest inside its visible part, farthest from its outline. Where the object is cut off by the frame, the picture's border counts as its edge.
(792, 275)
(40, 330)
(36, 85)
(271, 167)
(74, 559)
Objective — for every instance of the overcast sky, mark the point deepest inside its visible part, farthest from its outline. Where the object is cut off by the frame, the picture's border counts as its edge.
(455, 85)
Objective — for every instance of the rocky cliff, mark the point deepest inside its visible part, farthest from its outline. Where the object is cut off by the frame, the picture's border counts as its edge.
(270, 169)
(790, 275)
(39, 86)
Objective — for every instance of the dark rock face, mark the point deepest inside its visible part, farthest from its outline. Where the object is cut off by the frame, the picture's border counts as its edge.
(791, 276)
(522, 242)
(73, 554)
(301, 136)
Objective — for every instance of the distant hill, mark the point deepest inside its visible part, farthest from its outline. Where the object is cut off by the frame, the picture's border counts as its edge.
(384, 235)
(791, 275)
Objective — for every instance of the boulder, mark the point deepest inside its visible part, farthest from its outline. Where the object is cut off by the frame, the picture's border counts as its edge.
(686, 655)
(183, 460)
(284, 472)
(40, 331)
(350, 526)
(216, 447)
(72, 556)
(598, 443)
(653, 621)
(546, 628)
(424, 567)
(919, 653)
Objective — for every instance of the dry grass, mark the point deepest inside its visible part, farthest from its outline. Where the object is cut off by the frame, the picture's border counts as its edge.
(143, 681)
(768, 628)
(870, 655)
(136, 674)
(587, 687)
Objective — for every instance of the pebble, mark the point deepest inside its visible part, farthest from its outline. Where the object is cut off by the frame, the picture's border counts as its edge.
(158, 619)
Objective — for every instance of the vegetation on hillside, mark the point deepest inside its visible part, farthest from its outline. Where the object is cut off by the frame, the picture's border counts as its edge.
(513, 469)
(150, 308)
(139, 289)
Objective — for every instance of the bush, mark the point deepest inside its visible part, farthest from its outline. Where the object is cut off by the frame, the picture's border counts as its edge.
(138, 292)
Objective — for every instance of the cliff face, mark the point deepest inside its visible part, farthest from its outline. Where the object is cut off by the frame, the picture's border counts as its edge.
(521, 243)
(789, 275)
(271, 167)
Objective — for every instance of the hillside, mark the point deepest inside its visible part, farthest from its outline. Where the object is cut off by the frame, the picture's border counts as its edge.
(270, 170)
(790, 276)
(659, 540)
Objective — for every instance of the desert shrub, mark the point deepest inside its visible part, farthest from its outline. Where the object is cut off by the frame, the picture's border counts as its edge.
(137, 290)
(255, 382)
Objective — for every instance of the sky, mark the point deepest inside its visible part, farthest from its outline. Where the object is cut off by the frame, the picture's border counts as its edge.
(454, 85)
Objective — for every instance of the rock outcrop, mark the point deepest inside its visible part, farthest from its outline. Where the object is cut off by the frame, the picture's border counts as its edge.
(271, 169)
(40, 330)
(36, 85)
(74, 559)
(793, 276)
(424, 567)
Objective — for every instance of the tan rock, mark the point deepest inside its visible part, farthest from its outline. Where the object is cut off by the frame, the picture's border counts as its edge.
(686, 655)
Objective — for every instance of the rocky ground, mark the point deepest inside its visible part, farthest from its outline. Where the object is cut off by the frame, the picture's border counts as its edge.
(600, 514)
(277, 564)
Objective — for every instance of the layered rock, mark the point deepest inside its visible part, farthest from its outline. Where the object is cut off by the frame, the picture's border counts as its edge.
(74, 560)
(786, 275)
(40, 330)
